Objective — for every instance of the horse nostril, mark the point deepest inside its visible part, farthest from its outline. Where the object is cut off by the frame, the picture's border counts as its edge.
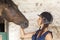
(26, 23)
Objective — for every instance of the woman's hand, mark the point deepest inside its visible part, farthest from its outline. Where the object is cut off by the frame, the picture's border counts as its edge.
(25, 35)
(22, 32)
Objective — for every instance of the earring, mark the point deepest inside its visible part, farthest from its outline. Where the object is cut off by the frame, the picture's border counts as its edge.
(40, 28)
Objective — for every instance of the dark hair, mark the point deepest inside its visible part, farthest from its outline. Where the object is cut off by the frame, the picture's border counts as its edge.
(47, 20)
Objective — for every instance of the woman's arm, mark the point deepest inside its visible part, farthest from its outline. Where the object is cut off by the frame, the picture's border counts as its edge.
(48, 36)
(26, 35)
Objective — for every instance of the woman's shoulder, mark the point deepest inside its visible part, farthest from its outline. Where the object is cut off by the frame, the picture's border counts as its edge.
(49, 34)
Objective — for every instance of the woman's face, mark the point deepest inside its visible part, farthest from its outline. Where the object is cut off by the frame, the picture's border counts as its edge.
(39, 21)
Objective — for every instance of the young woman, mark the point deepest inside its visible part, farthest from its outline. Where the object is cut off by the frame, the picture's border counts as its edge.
(45, 18)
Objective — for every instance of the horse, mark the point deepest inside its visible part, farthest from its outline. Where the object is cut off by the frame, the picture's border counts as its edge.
(9, 11)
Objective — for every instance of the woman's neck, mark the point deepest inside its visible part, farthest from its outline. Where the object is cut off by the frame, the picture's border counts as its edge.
(46, 29)
(43, 30)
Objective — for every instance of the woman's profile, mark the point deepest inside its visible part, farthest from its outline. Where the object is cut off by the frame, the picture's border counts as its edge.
(45, 18)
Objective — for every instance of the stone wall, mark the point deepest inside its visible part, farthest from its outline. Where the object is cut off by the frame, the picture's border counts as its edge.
(31, 8)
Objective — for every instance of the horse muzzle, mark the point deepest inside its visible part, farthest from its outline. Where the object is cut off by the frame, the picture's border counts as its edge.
(24, 24)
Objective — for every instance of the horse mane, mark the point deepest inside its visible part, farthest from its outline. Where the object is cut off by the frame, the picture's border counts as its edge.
(8, 2)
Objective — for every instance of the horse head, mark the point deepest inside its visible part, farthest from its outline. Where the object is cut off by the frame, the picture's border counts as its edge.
(12, 14)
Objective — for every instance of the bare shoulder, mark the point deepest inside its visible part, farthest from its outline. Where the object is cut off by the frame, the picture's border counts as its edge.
(48, 36)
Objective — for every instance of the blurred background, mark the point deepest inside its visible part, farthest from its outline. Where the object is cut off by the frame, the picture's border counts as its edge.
(31, 9)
